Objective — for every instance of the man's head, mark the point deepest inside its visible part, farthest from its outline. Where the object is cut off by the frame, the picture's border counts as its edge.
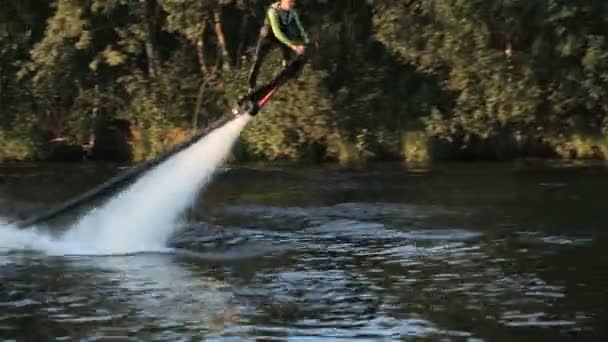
(288, 4)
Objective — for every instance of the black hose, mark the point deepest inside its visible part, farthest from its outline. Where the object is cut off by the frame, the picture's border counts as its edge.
(119, 179)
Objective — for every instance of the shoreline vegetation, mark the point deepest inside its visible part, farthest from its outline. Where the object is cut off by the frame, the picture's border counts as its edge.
(414, 81)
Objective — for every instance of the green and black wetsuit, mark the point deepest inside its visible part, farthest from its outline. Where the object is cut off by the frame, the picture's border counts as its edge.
(281, 29)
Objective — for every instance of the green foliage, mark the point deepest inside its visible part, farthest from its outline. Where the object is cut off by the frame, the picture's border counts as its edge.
(416, 147)
(450, 41)
(15, 147)
(389, 80)
(581, 147)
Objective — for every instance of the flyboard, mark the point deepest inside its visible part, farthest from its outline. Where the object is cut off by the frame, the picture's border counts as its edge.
(252, 103)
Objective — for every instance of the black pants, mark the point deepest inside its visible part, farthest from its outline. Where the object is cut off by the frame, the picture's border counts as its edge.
(291, 71)
(264, 46)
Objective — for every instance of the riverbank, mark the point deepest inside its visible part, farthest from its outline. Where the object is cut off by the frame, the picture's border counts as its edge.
(135, 145)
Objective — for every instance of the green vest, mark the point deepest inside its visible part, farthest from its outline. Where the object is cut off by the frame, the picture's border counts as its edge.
(287, 22)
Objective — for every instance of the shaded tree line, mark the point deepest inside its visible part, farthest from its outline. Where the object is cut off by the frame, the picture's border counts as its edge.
(390, 80)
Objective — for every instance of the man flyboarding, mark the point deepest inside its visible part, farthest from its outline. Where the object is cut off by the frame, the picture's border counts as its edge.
(282, 28)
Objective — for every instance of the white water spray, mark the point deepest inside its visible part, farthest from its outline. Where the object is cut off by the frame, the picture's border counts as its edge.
(13, 238)
(145, 215)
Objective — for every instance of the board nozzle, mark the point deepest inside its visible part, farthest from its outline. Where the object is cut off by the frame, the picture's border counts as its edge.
(248, 107)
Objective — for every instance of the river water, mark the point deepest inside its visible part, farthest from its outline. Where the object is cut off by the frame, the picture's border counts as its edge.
(456, 252)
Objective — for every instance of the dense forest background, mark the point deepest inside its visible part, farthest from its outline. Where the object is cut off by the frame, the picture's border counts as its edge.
(410, 80)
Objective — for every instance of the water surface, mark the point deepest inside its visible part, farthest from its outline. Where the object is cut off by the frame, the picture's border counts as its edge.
(477, 252)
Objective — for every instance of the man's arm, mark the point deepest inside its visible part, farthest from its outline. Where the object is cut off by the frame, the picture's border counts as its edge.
(301, 28)
(276, 29)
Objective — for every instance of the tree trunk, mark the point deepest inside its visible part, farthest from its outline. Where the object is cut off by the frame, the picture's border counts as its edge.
(200, 102)
(1, 86)
(150, 15)
(243, 40)
(200, 50)
(96, 119)
(221, 39)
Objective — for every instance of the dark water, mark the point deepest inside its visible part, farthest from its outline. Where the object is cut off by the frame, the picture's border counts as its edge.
(478, 252)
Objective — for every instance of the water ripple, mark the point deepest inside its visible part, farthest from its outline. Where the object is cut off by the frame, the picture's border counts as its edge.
(309, 276)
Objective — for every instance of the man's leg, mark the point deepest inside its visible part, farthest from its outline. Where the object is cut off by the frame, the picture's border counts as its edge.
(286, 55)
(291, 71)
(294, 68)
(263, 47)
(300, 66)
